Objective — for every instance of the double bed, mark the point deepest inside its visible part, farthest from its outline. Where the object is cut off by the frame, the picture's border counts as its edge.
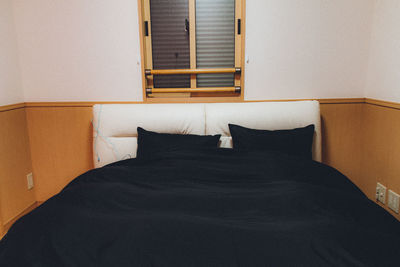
(205, 206)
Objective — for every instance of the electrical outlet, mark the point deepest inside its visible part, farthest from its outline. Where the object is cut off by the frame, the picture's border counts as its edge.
(380, 193)
(29, 179)
(393, 201)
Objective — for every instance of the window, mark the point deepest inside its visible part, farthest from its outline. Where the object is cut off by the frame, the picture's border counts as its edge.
(192, 48)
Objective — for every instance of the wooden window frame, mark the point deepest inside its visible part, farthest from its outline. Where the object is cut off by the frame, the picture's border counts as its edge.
(192, 94)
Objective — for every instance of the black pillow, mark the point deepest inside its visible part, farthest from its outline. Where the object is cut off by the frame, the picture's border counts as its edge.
(294, 142)
(150, 143)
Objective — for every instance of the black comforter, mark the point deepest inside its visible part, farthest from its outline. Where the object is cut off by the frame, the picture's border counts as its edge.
(208, 208)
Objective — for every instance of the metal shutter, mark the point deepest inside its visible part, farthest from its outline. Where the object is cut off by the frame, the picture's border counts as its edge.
(170, 41)
(215, 40)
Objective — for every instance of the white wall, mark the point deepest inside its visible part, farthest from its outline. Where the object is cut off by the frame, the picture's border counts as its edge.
(383, 80)
(307, 49)
(85, 50)
(79, 50)
(10, 84)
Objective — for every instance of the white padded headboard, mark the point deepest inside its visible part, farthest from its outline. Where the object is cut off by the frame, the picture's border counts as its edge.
(115, 126)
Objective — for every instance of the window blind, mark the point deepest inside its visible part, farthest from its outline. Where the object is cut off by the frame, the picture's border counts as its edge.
(170, 41)
(215, 41)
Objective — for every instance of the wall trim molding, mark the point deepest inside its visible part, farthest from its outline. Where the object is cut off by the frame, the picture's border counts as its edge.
(76, 104)
(370, 101)
(12, 107)
(342, 101)
(381, 103)
(177, 100)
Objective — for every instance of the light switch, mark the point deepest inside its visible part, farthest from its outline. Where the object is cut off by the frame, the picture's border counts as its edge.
(393, 201)
(381, 193)
(29, 179)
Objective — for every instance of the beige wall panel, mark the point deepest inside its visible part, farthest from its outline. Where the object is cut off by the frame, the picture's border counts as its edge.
(381, 157)
(15, 164)
(341, 138)
(61, 145)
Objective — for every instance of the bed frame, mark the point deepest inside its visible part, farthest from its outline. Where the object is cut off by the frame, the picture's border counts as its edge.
(115, 134)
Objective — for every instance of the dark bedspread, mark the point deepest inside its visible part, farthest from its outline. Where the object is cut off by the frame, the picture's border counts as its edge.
(208, 208)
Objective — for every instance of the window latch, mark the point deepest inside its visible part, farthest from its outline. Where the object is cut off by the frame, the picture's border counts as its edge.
(187, 25)
(146, 28)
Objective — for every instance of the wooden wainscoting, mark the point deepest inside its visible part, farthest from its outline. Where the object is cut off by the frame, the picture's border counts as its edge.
(363, 142)
(381, 147)
(341, 138)
(61, 145)
(360, 138)
(15, 164)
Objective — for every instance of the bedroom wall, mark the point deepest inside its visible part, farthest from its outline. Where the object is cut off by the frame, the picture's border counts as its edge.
(15, 158)
(10, 82)
(15, 164)
(383, 81)
(381, 148)
(79, 50)
(61, 146)
(321, 45)
(381, 156)
(307, 49)
(362, 141)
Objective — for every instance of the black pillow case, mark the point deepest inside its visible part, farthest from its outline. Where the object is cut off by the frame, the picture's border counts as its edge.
(150, 143)
(294, 142)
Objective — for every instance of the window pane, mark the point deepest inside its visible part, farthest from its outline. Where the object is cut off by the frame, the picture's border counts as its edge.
(215, 41)
(170, 41)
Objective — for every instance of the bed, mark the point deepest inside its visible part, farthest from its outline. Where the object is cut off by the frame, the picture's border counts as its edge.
(208, 207)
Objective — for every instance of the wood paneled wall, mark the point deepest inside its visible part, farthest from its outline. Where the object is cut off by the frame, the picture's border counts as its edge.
(363, 142)
(15, 164)
(61, 146)
(341, 137)
(381, 148)
(361, 139)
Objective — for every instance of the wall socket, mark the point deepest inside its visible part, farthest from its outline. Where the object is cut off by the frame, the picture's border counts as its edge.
(393, 201)
(29, 179)
(380, 193)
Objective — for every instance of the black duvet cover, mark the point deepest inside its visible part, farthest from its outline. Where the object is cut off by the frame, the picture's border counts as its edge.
(208, 208)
